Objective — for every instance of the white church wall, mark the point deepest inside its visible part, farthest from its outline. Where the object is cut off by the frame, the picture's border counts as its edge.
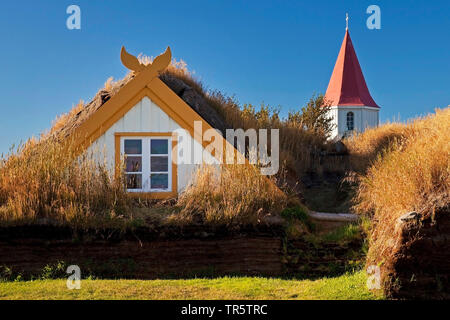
(333, 114)
(363, 117)
(370, 118)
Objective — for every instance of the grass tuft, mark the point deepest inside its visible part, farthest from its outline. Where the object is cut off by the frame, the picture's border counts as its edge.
(47, 181)
(232, 194)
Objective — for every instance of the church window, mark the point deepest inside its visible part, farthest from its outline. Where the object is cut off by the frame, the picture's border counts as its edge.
(350, 121)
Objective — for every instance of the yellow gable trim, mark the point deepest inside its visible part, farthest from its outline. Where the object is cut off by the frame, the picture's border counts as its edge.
(156, 90)
(145, 84)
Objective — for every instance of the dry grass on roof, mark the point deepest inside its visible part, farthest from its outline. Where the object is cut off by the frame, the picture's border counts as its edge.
(64, 124)
(412, 174)
(42, 183)
(364, 148)
(238, 195)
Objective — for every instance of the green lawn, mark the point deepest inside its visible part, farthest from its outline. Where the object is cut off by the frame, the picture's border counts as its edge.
(351, 286)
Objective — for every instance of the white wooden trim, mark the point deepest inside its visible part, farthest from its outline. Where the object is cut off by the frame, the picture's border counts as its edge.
(355, 107)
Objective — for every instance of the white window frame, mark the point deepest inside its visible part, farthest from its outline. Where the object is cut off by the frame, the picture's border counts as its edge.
(146, 161)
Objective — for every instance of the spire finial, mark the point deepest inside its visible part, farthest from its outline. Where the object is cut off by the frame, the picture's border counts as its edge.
(346, 21)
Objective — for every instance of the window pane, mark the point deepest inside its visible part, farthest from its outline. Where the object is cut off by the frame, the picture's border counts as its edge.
(133, 147)
(159, 181)
(133, 164)
(159, 146)
(134, 181)
(159, 164)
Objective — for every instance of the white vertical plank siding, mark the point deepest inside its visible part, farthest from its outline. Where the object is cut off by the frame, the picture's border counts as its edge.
(154, 121)
(145, 114)
(132, 119)
(163, 120)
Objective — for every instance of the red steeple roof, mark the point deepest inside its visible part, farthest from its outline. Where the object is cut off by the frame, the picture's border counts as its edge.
(347, 86)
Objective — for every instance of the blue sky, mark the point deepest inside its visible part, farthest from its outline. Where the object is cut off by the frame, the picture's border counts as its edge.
(276, 52)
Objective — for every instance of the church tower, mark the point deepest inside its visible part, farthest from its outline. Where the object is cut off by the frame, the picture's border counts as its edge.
(352, 106)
